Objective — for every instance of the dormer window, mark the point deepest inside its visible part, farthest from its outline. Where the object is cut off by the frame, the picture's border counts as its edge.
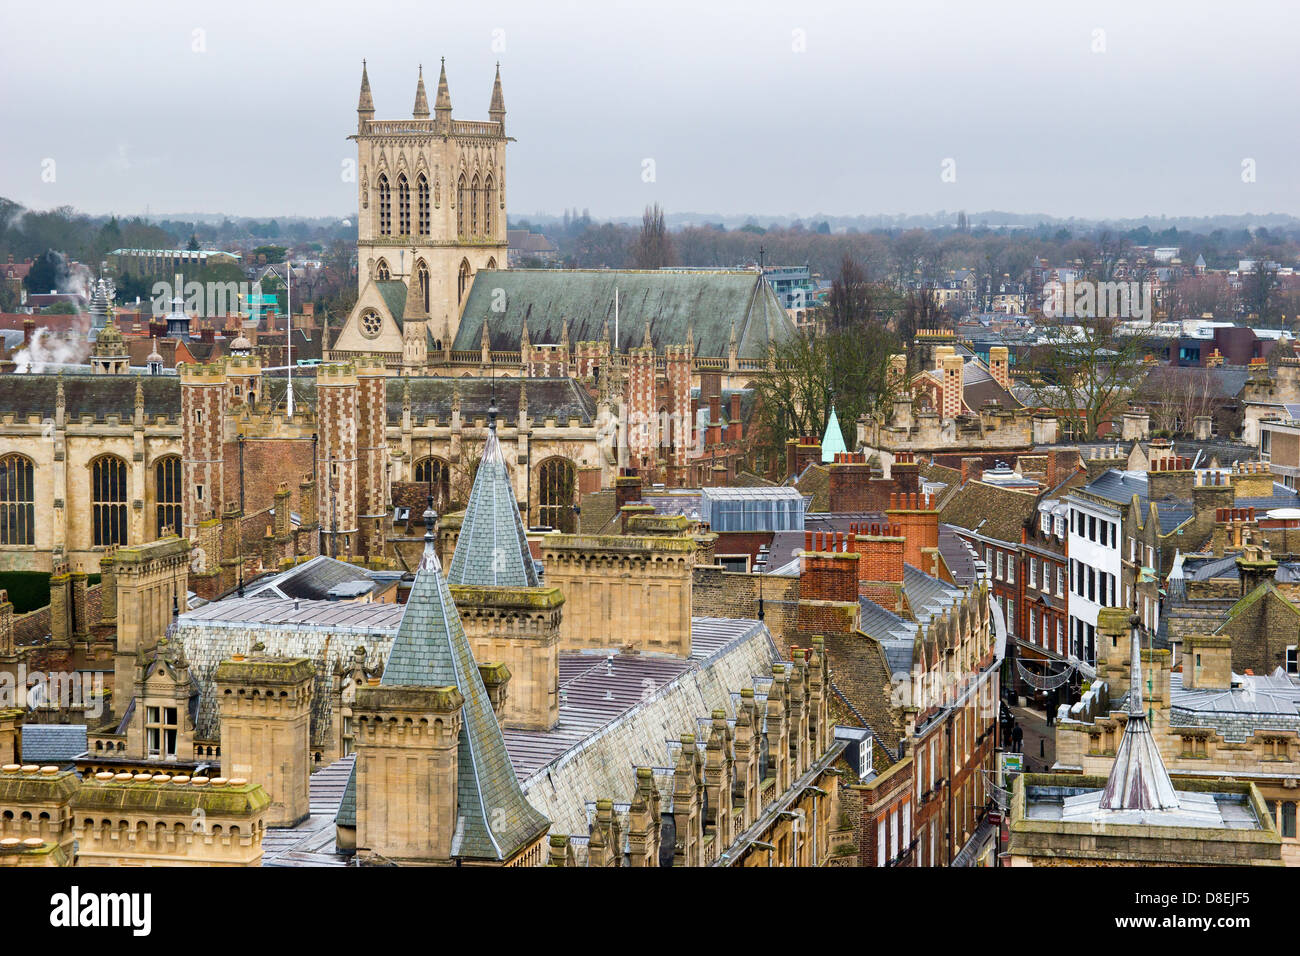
(160, 732)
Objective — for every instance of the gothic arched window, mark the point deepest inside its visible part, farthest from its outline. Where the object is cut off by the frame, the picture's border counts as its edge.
(422, 198)
(382, 272)
(385, 206)
(422, 277)
(475, 196)
(488, 200)
(461, 199)
(17, 500)
(436, 474)
(167, 494)
(108, 500)
(403, 205)
(462, 279)
(556, 486)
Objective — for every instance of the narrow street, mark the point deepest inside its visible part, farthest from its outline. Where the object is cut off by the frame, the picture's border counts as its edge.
(1039, 743)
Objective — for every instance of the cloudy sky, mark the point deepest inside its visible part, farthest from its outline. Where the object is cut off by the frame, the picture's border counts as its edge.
(1095, 109)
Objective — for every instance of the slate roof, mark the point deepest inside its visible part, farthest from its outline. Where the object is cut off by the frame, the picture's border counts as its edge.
(431, 650)
(492, 550)
(1171, 514)
(312, 842)
(927, 596)
(53, 743)
(312, 580)
(1197, 570)
(1119, 487)
(957, 555)
(85, 394)
(705, 302)
(1226, 382)
(895, 634)
(990, 510)
(979, 387)
(431, 397)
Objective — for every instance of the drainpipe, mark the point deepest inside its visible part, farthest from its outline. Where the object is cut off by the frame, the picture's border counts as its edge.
(948, 733)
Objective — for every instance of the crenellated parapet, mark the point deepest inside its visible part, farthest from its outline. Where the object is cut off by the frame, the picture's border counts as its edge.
(146, 819)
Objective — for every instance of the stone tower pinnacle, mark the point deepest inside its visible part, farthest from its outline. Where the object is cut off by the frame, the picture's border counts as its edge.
(497, 108)
(421, 110)
(365, 105)
(442, 105)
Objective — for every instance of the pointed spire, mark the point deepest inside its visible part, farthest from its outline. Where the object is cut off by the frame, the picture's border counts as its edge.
(414, 309)
(645, 341)
(494, 819)
(365, 105)
(497, 108)
(833, 439)
(492, 550)
(443, 102)
(1138, 778)
(421, 110)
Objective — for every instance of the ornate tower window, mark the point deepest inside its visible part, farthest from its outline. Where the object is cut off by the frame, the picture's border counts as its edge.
(382, 272)
(475, 197)
(17, 501)
(422, 277)
(385, 206)
(108, 500)
(167, 494)
(422, 197)
(403, 205)
(461, 199)
(488, 200)
(462, 279)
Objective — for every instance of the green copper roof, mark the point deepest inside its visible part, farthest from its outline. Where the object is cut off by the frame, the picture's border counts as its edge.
(704, 305)
(492, 550)
(393, 292)
(430, 650)
(833, 440)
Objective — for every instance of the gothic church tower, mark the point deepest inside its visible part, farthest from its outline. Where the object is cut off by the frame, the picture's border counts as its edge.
(432, 212)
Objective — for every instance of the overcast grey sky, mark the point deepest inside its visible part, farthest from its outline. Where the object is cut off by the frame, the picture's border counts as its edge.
(771, 108)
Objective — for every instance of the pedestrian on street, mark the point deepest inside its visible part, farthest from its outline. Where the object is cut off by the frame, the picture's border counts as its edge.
(1017, 735)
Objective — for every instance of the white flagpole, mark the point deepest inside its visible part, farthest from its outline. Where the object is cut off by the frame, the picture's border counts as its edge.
(288, 335)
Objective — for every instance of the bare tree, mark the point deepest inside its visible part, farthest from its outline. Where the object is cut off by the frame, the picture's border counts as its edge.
(654, 246)
(1088, 371)
(1193, 296)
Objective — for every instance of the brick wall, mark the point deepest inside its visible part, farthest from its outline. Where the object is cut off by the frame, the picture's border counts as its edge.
(730, 594)
(828, 576)
(918, 522)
